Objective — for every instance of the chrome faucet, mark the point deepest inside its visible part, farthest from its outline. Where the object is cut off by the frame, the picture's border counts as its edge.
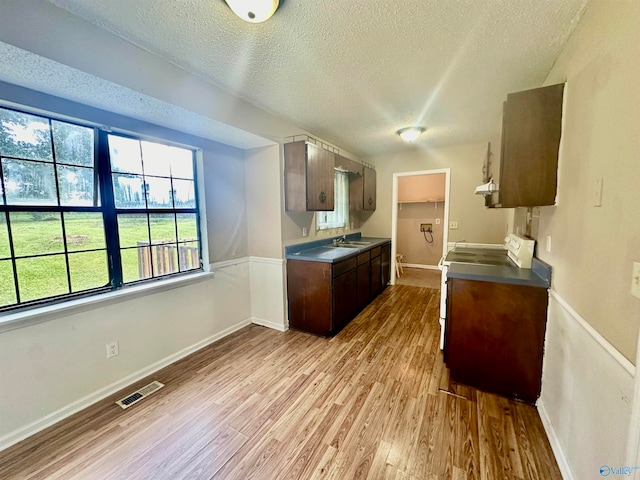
(339, 240)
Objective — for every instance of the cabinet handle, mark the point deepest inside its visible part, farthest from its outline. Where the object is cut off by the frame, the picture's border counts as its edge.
(323, 197)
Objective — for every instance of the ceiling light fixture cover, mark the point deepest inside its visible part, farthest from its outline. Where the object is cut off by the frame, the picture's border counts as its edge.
(254, 11)
(411, 134)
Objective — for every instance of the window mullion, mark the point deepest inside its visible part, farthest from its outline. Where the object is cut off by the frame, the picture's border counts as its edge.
(13, 257)
(62, 219)
(108, 208)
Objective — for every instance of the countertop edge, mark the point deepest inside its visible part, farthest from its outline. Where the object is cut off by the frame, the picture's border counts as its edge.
(296, 252)
(508, 275)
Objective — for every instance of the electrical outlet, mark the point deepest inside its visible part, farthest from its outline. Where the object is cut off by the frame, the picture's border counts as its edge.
(548, 247)
(635, 281)
(112, 349)
(453, 225)
(437, 221)
(305, 232)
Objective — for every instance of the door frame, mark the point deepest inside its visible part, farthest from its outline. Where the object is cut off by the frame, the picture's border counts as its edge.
(394, 211)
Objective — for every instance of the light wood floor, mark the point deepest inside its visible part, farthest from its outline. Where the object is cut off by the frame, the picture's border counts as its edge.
(261, 404)
(420, 277)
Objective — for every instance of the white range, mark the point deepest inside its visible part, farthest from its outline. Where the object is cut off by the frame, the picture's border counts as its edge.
(517, 251)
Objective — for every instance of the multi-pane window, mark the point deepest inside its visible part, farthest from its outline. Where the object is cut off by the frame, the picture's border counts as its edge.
(83, 210)
(339, 216)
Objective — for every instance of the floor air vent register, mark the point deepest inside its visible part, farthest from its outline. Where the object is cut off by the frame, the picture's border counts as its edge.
(138, 395)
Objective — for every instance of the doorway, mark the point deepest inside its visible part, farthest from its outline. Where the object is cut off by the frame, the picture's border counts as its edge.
(420, 219)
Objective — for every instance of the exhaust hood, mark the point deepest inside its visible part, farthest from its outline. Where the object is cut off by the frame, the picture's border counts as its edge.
(487, 188)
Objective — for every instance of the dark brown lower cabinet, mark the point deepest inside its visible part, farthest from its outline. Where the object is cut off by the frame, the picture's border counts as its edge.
(376, 272)
(385, 264)
(344, 299)
(364, 280)
(309, 296)
(324, 297)
(494, 336)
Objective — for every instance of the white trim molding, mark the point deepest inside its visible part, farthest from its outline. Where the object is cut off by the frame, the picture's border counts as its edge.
(26, 318)
(228, 263)
(419, 265)
(610, 349)
(587, 390)
(394, 211)
(266, 323)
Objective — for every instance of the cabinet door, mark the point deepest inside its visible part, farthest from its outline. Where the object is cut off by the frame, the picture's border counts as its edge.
(295, 177)
(385, 265)
(356, 192)
(309, 296)
(320, 179)
(369, 189)
(344, 299)
(376, 276)
(495, 336)
(364, 284)
(532, 125)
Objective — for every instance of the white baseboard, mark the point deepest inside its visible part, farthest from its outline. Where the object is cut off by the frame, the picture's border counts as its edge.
(266, 323)
(18, 435)
(587, 390)
(418, 265)
(563, 464)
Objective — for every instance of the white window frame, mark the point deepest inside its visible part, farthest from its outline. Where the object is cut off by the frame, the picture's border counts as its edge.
(339, 216)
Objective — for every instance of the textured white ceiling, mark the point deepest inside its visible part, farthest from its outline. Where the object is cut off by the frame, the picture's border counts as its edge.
(353, 72)
(32, 71)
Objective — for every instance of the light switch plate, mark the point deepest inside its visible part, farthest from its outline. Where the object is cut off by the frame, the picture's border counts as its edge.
(635, 281)
(548, 246)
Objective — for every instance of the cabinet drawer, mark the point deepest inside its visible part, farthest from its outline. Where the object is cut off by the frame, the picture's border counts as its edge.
(364, 258)
(375, 252)
(343, 267)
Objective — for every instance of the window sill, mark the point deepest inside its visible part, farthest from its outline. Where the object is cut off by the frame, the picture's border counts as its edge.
(14, 320)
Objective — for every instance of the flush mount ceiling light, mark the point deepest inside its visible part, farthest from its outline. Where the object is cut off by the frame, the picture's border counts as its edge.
(411, 134)
(254, 11)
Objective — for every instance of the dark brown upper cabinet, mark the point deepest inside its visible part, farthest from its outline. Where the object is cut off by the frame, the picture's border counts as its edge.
(362, 190)
(309, 177)
(531, 130)
(369, 189)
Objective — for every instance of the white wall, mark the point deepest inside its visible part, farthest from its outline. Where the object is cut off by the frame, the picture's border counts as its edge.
(227, 213)
(594, 247)
(477, 223)
(587, 393)
(54, 368)
(411, 242)
(60, 364)
(264, 206)
(593, 321)
(264, 200)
